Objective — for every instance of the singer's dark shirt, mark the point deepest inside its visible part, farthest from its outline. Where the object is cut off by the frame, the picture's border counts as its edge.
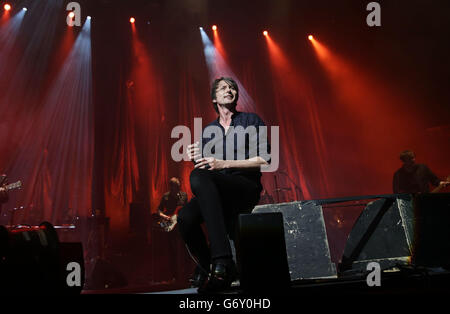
(243, 119)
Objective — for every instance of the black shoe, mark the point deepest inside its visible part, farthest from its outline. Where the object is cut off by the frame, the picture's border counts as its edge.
(199, 277)
(222, 275)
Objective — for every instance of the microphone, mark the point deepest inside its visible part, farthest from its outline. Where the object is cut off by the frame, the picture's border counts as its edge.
(207, 166)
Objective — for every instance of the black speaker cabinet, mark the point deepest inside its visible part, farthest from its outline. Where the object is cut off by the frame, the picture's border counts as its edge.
(431, 246)
(33, 261)
(400, 230)
(382, 233)
(308, 253)
(261, 252)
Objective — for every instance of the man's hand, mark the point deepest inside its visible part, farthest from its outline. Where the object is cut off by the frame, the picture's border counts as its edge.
(173, 223)
(444, 184)
(214, 164)
(163, 216)
(193, 152)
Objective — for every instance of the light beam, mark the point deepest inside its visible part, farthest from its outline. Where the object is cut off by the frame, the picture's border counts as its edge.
(217, 67)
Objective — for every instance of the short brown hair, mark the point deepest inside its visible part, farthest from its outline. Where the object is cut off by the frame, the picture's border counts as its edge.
(406, 155)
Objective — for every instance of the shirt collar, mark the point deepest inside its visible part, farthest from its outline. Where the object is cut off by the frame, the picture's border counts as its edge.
(234, 116)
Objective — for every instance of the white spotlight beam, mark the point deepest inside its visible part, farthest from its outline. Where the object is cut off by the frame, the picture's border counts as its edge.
(8, 36)
(217, 67)
(59, 145)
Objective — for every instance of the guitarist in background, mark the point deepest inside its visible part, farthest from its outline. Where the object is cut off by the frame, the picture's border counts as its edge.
(168, 208)
(171, 201)
(415, 178)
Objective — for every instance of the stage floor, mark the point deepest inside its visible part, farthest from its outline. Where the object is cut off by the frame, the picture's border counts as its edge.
(392, 283)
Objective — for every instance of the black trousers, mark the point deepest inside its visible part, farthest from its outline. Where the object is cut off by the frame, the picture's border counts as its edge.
(219, 198)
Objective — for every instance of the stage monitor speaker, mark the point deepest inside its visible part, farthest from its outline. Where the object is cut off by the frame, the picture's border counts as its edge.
(431, 246)
(383, 233)
(308, 253)
(261, 252)
(400, 230)
(33, 261)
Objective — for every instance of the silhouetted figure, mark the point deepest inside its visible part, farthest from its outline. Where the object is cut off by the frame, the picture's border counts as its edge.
(413, 177)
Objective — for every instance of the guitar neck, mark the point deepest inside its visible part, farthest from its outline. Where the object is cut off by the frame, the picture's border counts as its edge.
(440, 187)
(13, 186)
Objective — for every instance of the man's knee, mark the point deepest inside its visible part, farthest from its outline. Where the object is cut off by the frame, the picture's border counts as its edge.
(198, 178)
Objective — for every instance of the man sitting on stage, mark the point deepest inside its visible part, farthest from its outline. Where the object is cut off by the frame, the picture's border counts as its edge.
(223, 188)
(415, 178)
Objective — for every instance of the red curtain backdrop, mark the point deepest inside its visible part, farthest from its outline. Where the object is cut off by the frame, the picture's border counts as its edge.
(339, 126)
(86, 117)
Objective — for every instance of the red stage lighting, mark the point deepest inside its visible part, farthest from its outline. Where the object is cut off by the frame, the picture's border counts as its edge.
(71, 15)
(132, 20)
(7, 7)
(310, 37)
(265, 33)
(214, 27)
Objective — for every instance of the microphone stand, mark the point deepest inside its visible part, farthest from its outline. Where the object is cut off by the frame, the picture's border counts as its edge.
(297, 188)
(276, 188)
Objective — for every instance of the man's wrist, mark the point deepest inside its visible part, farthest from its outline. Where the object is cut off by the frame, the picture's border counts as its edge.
(227, 164)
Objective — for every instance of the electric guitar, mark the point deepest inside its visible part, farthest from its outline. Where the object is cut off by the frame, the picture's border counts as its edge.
(167, 224)
(12, 186)
(440, 187)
